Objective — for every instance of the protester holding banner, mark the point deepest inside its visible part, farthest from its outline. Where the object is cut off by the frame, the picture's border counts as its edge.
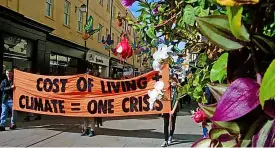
(172, 115)
(88, 123)
(98, 120)
(7, 102)
(88, 127)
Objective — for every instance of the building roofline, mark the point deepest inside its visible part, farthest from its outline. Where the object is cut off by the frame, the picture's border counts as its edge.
(21, 19)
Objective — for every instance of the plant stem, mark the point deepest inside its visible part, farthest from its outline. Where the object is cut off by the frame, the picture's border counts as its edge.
(256, 67)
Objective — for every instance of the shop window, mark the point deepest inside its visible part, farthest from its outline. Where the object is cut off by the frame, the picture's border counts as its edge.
(100, 33)
(80, 18)
(101, 2)
(114, 13)
(108, 6)
(17, 53)
(67, 6)
(63, 65)
(49, 8)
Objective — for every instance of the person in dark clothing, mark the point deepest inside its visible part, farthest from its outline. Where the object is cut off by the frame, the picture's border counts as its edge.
(7, 87)
(169, 135)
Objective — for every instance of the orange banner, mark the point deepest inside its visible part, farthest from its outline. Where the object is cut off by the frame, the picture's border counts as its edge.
(88, 96)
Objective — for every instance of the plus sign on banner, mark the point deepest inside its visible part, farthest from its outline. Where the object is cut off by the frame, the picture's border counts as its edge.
(88, 96)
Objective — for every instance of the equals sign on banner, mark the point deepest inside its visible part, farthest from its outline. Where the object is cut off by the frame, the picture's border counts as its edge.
(75, 107)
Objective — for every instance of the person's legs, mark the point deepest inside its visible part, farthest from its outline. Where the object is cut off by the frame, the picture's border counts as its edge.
(85, 127)
(37, 117)
(14, 114)
(173, 124)
(173, 128)
(166, 128)
(101, 121)
(4, 115)
(92, 127)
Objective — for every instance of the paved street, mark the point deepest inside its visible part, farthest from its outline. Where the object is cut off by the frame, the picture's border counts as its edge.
(143, 131)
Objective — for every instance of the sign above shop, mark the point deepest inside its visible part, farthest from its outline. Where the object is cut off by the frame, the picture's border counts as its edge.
(97, 58)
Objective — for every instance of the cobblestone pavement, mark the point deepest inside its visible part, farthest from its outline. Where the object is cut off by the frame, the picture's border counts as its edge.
(139, 131)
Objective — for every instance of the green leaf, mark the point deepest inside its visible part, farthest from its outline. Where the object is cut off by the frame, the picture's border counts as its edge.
(201, 3)
(202, 60)
(215, 133)
(267, 90)
(145, 5)
(141, 10)
(217, 90)
(263, 43)
(205, 142)
(162, 8)
(190, 1)
(232, 127)
(218, 71)
(189, 15)
(232, 142)
(216, 29)
(234, 17)
(196, 81)
(216, 12)
(198, 10)
(150, 32)
(208, 109)
(204, 12)
(197, 92)
(223, 136)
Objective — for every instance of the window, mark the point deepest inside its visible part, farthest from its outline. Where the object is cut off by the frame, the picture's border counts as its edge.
(67, 6)
(62, 65)
(106, 33)
(17, 53)
(80, 26)
(129, 30)
(114, 13)
(112, 37)
(101, 2)
(49, 8)
(108, 6)
(100, 33)
(123, 24)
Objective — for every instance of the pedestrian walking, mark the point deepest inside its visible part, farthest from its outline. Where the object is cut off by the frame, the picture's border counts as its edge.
(7, 87)
(170, 118)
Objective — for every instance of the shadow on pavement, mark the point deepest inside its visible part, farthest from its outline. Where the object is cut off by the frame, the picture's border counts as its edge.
(145, 133)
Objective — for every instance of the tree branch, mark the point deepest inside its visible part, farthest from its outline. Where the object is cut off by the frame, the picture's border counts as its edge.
(166, 22)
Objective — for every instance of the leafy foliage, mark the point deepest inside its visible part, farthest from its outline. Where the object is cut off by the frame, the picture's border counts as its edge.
(218, 72)
(267, 90)
(213, 27)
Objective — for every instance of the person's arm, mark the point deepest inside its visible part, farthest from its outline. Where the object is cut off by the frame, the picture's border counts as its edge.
(4, 86)
(174, 108)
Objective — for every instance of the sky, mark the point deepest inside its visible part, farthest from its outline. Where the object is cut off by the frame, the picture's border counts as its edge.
(136, 7)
